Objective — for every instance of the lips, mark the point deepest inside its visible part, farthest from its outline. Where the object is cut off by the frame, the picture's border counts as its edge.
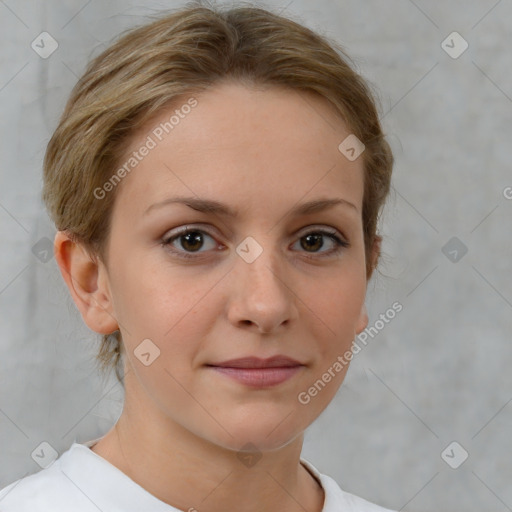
(255, 372)
(279, 361)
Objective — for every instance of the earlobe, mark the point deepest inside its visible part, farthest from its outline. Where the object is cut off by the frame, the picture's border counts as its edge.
(87, 281)
(373, 257)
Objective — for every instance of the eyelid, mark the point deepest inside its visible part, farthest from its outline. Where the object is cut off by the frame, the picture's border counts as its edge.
(185, 228)
(322, 227)
(201, 227)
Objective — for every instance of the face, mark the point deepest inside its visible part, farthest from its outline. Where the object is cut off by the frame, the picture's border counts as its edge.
(256, 277)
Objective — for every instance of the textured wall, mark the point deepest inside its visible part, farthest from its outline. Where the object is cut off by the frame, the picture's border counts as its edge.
(437, 373)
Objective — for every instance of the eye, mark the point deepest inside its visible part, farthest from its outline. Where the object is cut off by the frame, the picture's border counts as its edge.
(315, 240)
(188, 242)
(191, 241)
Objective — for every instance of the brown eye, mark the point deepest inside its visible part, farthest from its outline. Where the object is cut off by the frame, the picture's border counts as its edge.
(313, 241)
(187, 242)
(191, 241)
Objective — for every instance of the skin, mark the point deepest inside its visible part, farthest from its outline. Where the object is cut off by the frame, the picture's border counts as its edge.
(262, 152)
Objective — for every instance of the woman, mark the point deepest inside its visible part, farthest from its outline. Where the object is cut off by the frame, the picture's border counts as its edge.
(216, 180)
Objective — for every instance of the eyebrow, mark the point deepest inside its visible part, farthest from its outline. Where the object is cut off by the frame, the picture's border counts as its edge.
(215, 207)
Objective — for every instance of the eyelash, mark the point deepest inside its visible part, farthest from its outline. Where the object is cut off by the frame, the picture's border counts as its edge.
(340, 243)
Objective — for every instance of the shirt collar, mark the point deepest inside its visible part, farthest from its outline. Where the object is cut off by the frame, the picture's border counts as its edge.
(88, 471)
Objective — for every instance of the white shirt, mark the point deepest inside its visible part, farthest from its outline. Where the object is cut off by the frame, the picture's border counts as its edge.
(83, 481)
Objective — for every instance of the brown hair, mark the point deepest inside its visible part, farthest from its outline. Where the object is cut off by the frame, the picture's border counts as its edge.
(184, 51)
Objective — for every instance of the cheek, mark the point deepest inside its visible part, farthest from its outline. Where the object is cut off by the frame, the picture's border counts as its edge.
(336, 299)
(334, 311)
(162, 303)
(142, 288)
(165, 321)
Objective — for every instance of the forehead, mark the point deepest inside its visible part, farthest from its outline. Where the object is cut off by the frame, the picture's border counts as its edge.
(242, 145)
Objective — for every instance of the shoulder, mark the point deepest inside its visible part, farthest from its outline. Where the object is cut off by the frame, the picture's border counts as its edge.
(41, 491)
(48, 490)
(337, 499)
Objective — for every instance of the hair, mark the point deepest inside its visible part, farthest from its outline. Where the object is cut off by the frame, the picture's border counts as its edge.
(179, 53)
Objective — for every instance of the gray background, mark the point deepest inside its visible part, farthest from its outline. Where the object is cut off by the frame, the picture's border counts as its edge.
(438, 372)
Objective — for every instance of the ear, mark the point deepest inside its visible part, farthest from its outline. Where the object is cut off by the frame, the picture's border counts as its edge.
(87, 280)
(363, 316)
(362, 321)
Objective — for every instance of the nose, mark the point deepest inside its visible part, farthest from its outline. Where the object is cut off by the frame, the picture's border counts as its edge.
(261, 296)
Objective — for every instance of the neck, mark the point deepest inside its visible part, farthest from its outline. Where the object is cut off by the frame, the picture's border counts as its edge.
(191, 473)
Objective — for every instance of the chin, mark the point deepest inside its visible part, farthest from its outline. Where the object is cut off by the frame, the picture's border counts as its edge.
(267, 436)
